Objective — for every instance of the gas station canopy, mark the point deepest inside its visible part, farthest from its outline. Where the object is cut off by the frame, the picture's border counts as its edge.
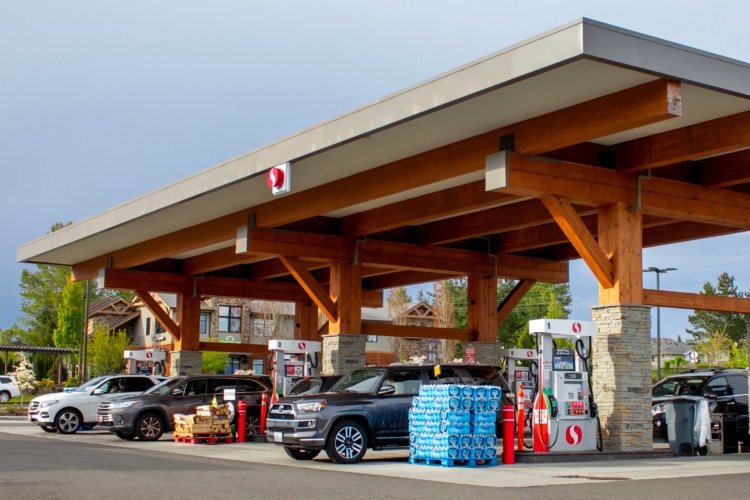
(501, 167)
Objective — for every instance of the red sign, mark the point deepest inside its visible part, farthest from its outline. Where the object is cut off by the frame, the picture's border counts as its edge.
(275, 177)
(577, 327)
(573, 435)
(469, 354)
(149, 355)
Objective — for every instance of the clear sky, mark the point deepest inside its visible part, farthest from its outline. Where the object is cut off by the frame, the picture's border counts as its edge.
(101, 102)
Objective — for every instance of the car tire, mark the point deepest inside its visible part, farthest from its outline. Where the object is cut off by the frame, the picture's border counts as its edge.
(127, 436)
(48, 428)
(149, 427)
(301, 454)
(68, 421)
(4, 396)
(347, 442)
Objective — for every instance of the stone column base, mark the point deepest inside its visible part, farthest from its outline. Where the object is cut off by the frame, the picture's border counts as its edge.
(486, 353)
(622, 376)
(343, 352)
(186, 363)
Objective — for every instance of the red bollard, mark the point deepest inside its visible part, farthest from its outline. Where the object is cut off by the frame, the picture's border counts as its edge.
(241, 420)
(520, 423)
(263, 411)
(509, 457)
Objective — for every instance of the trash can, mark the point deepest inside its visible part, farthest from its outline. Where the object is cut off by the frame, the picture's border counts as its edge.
(688, 425)
(724, 434)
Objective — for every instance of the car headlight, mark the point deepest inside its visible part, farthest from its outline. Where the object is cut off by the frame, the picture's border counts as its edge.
(124, 404)
(312, 406)
(658, 408)
(47, 404)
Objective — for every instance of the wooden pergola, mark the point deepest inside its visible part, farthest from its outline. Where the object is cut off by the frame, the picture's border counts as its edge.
(588, 141)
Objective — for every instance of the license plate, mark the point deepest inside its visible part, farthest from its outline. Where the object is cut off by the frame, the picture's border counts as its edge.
(278, 437)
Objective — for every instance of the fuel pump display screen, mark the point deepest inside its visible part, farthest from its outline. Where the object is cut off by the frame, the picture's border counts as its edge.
(563, 360)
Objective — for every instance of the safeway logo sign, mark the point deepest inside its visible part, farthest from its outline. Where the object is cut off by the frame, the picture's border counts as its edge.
(576, 327)
(573, 435)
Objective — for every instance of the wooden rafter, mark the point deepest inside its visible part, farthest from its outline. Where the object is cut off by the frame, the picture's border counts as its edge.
(682, 300)
(512, 299)
(424, 332)
(634, 107)
(315, 291)
(722, 135)
(585, 184)
(727, 170)
(160, 314)
(581, 239)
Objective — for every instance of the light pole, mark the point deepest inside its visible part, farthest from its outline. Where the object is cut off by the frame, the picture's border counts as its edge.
(658, 271)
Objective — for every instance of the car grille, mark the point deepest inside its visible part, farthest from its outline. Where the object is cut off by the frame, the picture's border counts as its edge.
(281, 411)
(103, 414)
(34, 406)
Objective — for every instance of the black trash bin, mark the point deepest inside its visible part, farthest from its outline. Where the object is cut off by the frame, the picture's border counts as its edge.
(685, 415)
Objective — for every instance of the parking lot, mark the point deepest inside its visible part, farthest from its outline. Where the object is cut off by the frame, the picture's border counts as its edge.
(395, 463)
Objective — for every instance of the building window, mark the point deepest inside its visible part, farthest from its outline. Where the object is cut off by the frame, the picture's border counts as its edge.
(262, 327)
(148, 326)
(230, 319)
(204, 323)
(158, 328)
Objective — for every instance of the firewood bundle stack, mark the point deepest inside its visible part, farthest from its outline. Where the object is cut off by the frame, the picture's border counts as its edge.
(208, 420)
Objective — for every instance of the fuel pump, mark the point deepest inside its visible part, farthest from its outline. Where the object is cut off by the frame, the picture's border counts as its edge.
(292, 360)
(146, 361)
(565, 416)
(522, 380)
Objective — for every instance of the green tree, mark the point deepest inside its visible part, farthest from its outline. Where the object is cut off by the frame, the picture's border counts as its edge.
(214, 361)
(105, 351)
(715, 347)
(707, 323)
(70, 316)
(544, 300)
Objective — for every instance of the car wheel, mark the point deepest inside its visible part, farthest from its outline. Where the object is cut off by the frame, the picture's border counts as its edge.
(47, 428)
(252, 425)
(301, 454)
(4, 396)
(347, 442)
(127, 436)
(68, 421)
(149, 427)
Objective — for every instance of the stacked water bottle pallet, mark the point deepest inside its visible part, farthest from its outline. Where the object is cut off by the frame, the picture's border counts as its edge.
(454, 425)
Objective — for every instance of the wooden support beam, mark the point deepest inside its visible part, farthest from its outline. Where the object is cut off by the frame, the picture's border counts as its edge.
(682, 300)
(189, 319)
(630, 108)
(316, 292)
(714, 137)
(211, 286)
(346, 292)
(620, 233)
(422, 332)
(725, 171)
(445, 203)
(117, 279)
(160, 314)
(579, 236)
(586, 185)
(512, 299)
(310, 246)
(218, 259)
(403, 278)
(482, 306)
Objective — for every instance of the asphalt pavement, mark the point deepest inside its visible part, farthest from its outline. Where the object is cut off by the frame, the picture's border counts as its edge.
(394, 463)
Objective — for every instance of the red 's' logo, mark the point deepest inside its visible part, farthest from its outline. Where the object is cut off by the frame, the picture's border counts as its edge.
(576, 327)
(573, 435)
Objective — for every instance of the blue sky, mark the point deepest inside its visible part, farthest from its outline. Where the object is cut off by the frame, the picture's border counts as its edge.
(101, 102)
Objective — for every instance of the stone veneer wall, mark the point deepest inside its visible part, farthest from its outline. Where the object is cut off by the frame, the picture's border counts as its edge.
(343, 352)
(186, 363)
(622, 376)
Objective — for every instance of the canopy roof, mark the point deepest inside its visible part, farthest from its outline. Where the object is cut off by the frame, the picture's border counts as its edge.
(585, 109)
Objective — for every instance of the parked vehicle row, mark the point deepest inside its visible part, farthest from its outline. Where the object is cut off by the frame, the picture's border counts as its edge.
(8, 388)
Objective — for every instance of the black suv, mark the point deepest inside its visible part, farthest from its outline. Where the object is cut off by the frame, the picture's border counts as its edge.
(725, 390)
(151, 414)
(367, 408)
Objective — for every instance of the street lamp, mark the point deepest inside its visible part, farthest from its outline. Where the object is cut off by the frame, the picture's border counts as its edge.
(658, 271)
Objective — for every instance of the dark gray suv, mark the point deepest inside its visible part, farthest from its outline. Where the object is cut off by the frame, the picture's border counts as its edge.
(151, 414)
(367, 408)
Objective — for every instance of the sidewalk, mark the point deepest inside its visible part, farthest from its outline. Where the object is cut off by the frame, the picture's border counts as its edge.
(395, 463)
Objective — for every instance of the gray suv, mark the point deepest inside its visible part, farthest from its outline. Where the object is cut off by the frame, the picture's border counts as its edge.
(367, 408)
(151, 414)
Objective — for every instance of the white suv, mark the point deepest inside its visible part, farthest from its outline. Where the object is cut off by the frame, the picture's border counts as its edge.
(67, 412)
(8, 388)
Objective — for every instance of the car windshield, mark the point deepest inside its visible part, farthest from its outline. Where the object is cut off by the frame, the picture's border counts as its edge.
(165, 387)
(91, 383)
(679, 386)
(360, 381)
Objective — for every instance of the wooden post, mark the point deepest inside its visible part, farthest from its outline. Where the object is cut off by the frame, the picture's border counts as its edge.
(482, 309)
(620, 238)
(346, 292)
(188, 319)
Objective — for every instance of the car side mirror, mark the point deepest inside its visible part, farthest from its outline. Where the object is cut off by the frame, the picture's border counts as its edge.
(387, 389)
(97, 392)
